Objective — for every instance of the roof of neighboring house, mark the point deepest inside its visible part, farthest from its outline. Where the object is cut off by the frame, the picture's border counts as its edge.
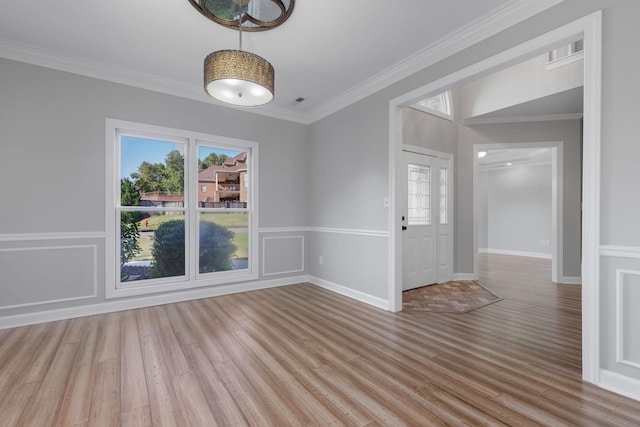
(159, 196)
(234, 164)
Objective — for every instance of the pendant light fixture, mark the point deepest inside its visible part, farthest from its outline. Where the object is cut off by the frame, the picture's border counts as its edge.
(237, 77)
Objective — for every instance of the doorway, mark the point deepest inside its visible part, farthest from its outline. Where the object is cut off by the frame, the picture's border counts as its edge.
(588, 29)
(556, 242)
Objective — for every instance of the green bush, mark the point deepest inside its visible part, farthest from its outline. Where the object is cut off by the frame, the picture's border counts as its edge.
(216, 249)
(168, 250)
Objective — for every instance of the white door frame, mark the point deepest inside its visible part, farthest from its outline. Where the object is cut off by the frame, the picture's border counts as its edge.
(589, 29)
(557, 203)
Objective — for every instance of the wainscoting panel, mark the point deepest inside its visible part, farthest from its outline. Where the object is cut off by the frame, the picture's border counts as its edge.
(282, 255)
(47, 274)
(628, 317)
(619, 319)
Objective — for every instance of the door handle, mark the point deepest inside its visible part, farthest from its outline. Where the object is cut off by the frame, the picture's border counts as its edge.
(404, 227)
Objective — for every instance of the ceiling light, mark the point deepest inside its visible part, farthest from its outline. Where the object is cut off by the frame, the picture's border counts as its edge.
(233, 76)
(481, 154)
(238, 78)
(509, 164)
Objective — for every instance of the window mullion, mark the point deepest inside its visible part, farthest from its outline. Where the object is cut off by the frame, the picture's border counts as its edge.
(191, 200)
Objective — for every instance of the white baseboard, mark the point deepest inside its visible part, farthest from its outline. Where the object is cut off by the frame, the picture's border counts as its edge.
(515, 253)
(140, 302)
(626, 386)
(351, 293)
(570, 280)
(464, 276)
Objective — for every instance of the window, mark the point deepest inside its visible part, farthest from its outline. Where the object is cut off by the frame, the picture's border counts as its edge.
(419, 195)
(438, 105)
(164, 234)
(565, 55)
(444, 195)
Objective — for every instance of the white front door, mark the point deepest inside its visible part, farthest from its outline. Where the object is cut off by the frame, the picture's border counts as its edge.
(427, 220)
(419, 255)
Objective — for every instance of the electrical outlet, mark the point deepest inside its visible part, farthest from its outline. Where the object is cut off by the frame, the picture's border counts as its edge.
(321, 260)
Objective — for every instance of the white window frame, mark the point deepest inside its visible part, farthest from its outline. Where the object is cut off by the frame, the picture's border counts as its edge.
(192, 278)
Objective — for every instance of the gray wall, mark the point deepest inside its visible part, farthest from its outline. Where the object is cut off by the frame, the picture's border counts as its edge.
(52, 166)
(526, 81)
(52, 133)
(363, 126)
(429, 131)
(518, 209)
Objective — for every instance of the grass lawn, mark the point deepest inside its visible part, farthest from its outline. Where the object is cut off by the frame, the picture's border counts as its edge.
(231, 220)
(241, 240)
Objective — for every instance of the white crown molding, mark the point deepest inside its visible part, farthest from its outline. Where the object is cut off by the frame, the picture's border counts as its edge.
(35, 55)
(477, 30)
(521, 119)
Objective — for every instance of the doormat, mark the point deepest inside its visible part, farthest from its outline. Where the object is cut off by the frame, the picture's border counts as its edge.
(450, 297)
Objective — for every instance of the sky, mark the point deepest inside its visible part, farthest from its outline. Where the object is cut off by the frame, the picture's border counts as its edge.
(135, 150)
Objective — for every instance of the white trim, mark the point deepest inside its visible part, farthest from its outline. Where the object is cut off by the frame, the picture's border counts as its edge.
(620, 251)
(145, 301)
(571, 280)
(94, 251)
(521, 119)
(589, 28)
(484, 27)
(72, 235)
(350, 231)
(111, 306)
(264, 258)
(620, 384)
(463, 276)
(514, 253)
(283, 229)
(349, 292)
(620, 317)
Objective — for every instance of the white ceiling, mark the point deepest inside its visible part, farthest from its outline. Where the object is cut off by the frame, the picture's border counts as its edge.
(499, 158)
(329, 51)
(566, 103)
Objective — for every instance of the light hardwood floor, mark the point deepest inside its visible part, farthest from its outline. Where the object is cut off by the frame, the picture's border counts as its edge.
(303, 356)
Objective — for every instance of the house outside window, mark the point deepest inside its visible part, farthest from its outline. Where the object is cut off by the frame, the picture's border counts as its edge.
(163, 233)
